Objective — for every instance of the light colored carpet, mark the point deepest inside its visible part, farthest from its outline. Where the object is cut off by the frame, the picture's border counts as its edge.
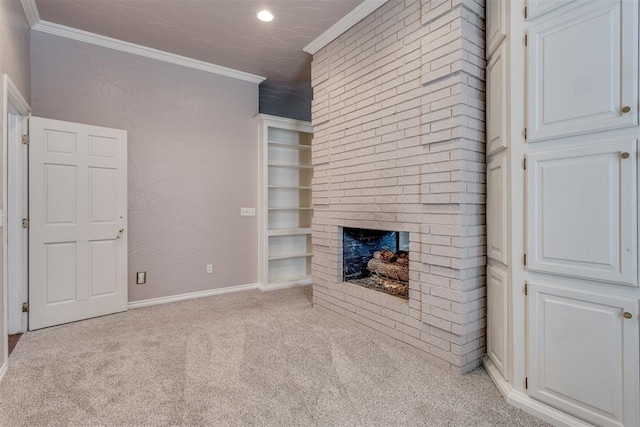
(248, 358)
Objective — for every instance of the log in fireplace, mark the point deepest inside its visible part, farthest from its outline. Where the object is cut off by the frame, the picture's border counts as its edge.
(377, 260)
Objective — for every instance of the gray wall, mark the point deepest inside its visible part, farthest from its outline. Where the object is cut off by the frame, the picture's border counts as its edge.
(14, 60)
(193, 147)
(290, 101)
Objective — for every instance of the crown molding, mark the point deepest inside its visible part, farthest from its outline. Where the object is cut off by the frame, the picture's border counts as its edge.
(31, 10)
(349, 20)
(148, 52)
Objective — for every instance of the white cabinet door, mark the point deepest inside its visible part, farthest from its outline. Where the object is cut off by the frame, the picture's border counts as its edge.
(582, 70)
(536, 8)
(582, 212)
(583, 354)
(78, 210)
(496, 24)
(497, 227)
(497, 318)
(497, 101)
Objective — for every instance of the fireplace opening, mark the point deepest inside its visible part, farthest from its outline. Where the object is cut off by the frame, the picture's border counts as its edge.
(377, 260)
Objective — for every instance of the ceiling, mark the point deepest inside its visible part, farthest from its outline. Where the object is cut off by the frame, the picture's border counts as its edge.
(221, 32)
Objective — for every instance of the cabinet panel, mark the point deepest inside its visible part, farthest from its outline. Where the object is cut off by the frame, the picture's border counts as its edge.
(583, 70)
(536, 8)
(496, 24)
(497, 318)
(583, 354)
(497, 101)
(497, 227)
(582, 212)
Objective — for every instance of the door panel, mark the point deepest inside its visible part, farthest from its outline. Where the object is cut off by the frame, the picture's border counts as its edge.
(78, 205)
(582, 215)
(540, 7)
(497, 318)
(496, 24)
(583, 354)
(497, 229)
(582, 64)
(497, 101)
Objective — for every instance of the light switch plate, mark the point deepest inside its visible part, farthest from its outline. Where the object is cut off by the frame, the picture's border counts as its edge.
(247, 211)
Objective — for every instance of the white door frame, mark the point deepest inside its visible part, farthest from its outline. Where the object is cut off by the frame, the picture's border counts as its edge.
(16, 209)
(11, 97)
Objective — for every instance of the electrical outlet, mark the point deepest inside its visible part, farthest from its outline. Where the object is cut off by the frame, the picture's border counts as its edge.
(247, 211)
(141, 277)
(209, 268)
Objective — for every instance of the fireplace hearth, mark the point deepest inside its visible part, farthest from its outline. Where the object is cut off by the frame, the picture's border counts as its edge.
(377, 260)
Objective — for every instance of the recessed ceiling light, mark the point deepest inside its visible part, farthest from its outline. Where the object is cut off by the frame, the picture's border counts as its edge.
(265, 15)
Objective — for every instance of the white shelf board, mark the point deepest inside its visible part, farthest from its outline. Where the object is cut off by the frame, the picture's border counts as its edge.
(290, 165)
(278, 257)
(293, 146)
(292, 208)
(289, 231)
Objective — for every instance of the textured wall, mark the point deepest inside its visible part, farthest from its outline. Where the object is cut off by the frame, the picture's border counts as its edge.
(14, 60)
(398, 116)
(14, 45)
(291, 101)
(193, 147)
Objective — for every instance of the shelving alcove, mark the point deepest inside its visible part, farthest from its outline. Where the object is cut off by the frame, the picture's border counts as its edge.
(285, 210)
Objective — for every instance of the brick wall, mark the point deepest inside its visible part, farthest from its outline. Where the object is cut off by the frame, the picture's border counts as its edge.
(398, 116)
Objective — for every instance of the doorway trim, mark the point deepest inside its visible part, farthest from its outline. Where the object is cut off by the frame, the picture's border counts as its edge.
(10, 96)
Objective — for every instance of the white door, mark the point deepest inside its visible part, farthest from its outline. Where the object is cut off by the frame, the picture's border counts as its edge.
(582, 212)
(78, 207)
(583, 354)
(582, 70)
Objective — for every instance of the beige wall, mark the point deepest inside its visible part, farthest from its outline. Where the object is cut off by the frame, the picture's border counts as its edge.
(14, 60)
(193, 147)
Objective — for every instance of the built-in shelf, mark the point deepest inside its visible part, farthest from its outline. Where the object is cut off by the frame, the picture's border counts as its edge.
(290, 165)
(292, 146)
(294, 187)
(277, 257)
(291, 208)
(289, 232)
(285, 202)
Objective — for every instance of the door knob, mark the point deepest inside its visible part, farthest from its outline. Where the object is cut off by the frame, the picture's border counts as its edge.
(120, 233)
(624, 155)
(627, 315)
(626, 109)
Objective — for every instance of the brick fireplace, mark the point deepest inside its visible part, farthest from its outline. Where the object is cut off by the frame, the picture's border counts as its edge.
(398, 115)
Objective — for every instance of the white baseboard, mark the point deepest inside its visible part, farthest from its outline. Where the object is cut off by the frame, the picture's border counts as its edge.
(3, 370)
(191, 295)
(283, 285)
(526, 403)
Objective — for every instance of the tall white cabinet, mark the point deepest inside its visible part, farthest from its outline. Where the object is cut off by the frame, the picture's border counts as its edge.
(562, 208)
(285, 209)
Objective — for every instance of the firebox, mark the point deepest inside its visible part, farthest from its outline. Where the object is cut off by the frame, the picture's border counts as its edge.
(376, 259)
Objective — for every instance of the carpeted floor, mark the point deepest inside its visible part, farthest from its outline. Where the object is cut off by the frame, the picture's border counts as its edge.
(248, 358)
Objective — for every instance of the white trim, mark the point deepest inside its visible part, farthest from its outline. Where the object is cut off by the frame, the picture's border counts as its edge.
(31, 10)
(3, 370)
(147, 52)
(527, 404)
(349, 20)
(191, 295)
(9, 92)
(284, 285)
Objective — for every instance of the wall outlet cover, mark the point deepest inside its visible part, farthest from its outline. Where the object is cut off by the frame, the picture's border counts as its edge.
(247, 211)
(141, 277)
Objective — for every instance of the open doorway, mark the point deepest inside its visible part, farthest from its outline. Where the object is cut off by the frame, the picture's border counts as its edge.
(15, 201)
